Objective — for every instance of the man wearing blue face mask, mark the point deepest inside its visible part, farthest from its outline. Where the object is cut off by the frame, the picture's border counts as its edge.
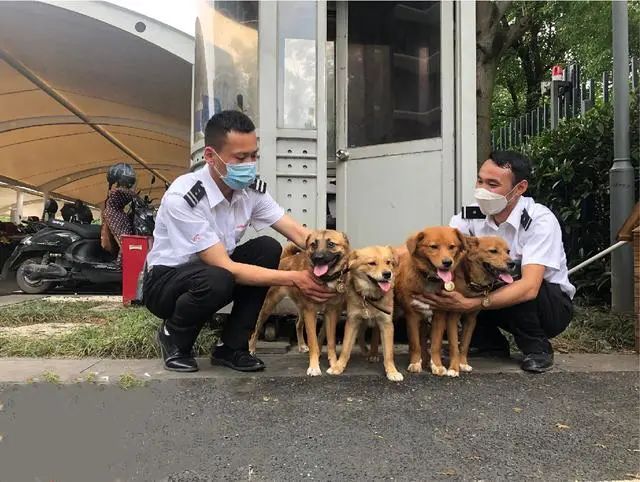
(197, 264)
(536, 307)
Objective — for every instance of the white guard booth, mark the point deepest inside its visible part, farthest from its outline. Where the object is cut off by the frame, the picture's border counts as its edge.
(365, 110)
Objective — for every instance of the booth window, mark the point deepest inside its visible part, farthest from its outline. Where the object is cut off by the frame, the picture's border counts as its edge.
(235, 42)
(394, 84)
(297, 41)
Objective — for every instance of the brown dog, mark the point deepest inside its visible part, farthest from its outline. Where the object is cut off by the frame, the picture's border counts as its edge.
(326, 254)
(370, 300)
(432, 258)
(485, 266)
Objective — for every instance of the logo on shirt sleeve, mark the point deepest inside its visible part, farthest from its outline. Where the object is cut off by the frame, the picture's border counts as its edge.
(197, 237)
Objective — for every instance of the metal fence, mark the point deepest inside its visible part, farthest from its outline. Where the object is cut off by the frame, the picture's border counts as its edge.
(561, 99)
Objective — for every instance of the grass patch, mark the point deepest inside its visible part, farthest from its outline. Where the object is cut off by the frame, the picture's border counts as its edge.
(50, 377)
(41, 311)
(597, 330)
(122, 333)
(130, 332)
(129, 380)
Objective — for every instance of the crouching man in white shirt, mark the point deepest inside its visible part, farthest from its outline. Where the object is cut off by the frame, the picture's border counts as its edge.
(536, 307)
(197, 264)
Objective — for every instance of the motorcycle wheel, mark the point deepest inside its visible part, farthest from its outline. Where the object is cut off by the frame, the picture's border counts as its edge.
(28, 286)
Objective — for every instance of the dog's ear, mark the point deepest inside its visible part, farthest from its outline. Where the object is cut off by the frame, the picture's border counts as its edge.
(470, 242)
(353, 257)
(346, 239)
(308, 241)
(461, 239)
(395, 256)
(412, 242)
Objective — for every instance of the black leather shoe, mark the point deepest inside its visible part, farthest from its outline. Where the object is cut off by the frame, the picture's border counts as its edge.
(240, 360)
(537, 362)
(174, 358)
(488, 352)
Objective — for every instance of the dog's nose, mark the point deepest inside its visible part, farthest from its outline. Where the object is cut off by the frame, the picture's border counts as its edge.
(386, 274)
(447, 262)
(511, 265)
(319, 257)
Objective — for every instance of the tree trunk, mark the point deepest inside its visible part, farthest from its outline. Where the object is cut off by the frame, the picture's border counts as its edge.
(486, 74)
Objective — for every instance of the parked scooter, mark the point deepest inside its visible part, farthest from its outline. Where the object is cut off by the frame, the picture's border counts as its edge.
(67, 253)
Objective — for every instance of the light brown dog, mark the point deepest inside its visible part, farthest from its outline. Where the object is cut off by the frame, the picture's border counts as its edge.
(432, 258)
(370, 283)
(485, 266)
(326, 254)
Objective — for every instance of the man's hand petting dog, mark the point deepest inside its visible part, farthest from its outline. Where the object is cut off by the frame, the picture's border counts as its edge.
(449, 301)
(306, 282)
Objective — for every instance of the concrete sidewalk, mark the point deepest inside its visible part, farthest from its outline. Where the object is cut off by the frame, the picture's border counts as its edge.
(25, 370)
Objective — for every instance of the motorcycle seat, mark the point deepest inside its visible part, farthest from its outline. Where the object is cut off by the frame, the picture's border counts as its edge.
(86, 231)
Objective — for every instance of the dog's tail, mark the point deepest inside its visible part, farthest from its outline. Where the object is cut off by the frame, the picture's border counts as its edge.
(289, 250)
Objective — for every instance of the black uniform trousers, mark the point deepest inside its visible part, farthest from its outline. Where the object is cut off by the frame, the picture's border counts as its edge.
(187, 296)
(532, 323)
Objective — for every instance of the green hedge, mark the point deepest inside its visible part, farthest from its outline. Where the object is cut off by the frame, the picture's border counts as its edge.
(571, 176)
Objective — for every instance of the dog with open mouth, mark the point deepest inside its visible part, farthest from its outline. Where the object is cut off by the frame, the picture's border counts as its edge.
(485, 267)
(430, 265)
(370, 283)
(326, 254)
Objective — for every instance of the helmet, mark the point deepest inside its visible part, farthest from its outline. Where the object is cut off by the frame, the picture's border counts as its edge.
(122, 175)
(51, 206)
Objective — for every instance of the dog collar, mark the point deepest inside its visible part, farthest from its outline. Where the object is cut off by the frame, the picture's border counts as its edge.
(366, 301)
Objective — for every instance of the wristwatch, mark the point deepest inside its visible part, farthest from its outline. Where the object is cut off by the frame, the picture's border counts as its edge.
(486, 301)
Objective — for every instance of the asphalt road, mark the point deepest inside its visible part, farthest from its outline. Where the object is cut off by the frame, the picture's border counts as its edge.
(557, 426)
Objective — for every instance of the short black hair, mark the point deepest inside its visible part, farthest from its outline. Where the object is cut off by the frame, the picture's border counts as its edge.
(518, 164)
(221, 123)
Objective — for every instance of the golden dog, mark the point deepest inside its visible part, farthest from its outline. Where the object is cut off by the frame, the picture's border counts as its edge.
(370, 300)
(430, 263)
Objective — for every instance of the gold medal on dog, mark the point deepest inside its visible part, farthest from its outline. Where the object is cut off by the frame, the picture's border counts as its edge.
(340, 288)
(449, 286)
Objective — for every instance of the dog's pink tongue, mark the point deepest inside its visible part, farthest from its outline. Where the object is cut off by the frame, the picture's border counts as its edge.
(320, 270)
(384, 285)
(445, 276)
(507, 278)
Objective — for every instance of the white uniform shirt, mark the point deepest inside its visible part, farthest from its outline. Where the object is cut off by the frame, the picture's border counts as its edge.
(540, 244)
(182, 231)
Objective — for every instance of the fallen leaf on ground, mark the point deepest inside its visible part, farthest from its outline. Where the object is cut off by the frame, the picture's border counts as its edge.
(517, 409)
(448, 472)
(602, 446)
(562, 426)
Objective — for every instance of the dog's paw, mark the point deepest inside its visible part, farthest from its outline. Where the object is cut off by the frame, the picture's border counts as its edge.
(395, 376)
(373, 358)
(453, 373)
(314, 371)
(415, 367)
(303, 348)
(438, 370)
(465, 368)
(335, 370)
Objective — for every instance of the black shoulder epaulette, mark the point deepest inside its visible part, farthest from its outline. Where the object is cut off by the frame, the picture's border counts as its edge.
(472, 212)
(195, 194)
(259, 185)
(525, 220)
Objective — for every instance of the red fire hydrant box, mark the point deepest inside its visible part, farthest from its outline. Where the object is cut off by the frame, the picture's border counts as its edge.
(134, 254)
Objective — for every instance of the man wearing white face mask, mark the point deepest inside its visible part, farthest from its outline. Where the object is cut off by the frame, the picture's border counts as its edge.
(197, 264)
(536, 307)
